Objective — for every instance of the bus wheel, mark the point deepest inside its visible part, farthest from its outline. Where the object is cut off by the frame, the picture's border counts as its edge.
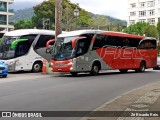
(123, 70)
(95, 69)
(142, 67)
(74, 73)
(37, 67)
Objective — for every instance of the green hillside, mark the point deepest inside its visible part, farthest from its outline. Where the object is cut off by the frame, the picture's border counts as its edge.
(28, 13)
(22, 15)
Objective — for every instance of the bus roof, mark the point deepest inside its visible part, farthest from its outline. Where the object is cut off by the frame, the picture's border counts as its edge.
(121, 34)
(111, 33)
(79, 32)
(29, 31)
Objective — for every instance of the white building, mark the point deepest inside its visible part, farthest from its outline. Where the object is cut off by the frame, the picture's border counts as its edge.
(143, 11)
(5, 12)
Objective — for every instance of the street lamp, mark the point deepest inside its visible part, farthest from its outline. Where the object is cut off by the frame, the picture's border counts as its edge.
(46, 23)
(76, 14)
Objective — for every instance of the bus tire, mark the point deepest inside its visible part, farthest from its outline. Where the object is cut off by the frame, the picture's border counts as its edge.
(37, 67)
(123, 70)
(74, 73)
(95, 69)
(142, 67)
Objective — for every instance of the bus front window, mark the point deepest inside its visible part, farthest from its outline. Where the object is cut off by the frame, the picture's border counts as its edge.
(6, 52)
(63, 49)
(12, 47)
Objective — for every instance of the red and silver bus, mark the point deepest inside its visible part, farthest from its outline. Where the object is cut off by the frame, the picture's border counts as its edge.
(95, 50)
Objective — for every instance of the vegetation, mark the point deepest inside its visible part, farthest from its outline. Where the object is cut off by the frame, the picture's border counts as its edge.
(69, 21)
(23, 24)
(142, 28)
(25, 14)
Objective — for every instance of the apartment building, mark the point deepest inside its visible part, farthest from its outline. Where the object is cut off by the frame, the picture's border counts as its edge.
(5, 12)
(143, 11)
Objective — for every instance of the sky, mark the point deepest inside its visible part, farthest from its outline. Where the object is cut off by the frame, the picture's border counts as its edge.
(114, 8)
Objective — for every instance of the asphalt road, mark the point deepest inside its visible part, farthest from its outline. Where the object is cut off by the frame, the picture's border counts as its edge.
(37, 92)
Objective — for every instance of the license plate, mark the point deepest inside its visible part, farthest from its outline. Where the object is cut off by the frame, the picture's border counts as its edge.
(0, 71)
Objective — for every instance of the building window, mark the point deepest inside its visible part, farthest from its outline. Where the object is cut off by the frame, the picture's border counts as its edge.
(3, 19)
(142, 20)
(151, 21)
(132, 22)
(132, 13)
(151, 3)
(3, 6)
(142, 13)
(151, 12)
(133, 5)
(142, 4)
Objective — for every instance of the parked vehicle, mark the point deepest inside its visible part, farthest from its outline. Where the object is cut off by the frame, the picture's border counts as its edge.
(3, 69)
(16, 49)
(95, 50)
(158, 64)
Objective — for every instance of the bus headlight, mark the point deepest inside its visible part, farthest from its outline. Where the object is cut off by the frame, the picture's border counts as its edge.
(50, 64)
(71, 63)
(11, 63)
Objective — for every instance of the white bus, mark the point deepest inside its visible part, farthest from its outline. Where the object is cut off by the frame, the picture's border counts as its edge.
(16, 49)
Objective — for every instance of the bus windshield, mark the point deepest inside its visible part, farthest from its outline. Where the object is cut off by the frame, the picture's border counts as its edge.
(6, 52)
(21, 47)
(63, 49)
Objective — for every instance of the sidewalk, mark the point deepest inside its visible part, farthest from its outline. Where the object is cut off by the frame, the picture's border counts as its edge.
(146, 98)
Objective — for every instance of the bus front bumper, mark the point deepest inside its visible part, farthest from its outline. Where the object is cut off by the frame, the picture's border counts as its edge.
(61, 68)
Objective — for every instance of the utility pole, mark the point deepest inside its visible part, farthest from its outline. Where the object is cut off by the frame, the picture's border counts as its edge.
(58, 17)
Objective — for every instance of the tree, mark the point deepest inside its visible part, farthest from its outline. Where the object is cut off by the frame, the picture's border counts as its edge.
(46, 10)
(151, 31)
(158, 27)
(100, 20)
(23, 24)
(137, 29)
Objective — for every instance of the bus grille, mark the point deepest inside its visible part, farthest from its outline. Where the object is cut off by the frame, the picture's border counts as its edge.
(2, 68)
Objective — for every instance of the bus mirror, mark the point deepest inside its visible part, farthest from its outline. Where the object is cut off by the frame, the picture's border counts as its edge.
(48, 50)
(49, 43)
(48, 46)
(74, 43)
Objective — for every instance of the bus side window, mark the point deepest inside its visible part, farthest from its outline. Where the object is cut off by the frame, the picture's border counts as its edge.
(81, 48)
(43, 39)
(99, 42)
(148, 44)
(22, 48)
(152, 44)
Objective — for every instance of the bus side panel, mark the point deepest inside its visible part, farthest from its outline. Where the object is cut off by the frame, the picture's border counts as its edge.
(26, 62)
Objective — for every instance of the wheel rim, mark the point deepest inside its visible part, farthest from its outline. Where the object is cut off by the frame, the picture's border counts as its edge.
(37, 67)
(96, 69)
(143, 67)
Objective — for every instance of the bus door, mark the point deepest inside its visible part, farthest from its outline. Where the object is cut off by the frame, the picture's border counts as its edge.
(22, 46)
(149, 52)
(40, 46)
(82, 54)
